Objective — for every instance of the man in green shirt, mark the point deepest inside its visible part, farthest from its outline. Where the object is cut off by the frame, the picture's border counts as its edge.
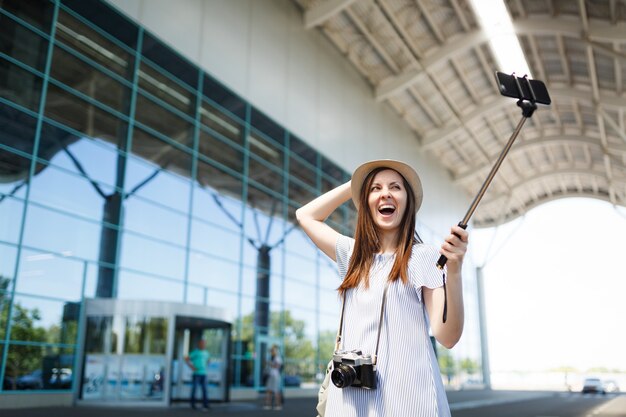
(197, 361)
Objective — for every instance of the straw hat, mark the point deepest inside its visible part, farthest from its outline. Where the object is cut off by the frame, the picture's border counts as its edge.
(409, 174)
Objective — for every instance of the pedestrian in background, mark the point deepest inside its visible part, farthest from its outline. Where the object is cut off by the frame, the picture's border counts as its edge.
(197, 361)
(272, 385)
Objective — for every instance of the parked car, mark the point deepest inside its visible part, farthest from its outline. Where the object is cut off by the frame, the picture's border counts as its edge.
(30, 381)
(61, 378)
(610, 386)
(593, 385)
(291, 381)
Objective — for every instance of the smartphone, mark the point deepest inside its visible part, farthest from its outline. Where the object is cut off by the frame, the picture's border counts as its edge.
(522, 88)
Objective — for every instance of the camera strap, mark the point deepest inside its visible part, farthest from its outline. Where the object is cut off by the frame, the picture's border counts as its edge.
(380, 322)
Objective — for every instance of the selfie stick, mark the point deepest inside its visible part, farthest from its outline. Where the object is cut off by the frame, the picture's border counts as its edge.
(528, 107)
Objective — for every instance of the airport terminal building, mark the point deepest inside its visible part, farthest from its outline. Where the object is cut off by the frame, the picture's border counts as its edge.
(152, 156)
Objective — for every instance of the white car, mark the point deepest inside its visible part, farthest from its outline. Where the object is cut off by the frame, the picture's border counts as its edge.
(593, 385)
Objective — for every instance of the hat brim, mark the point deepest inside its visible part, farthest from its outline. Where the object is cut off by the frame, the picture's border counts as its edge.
(409, 174)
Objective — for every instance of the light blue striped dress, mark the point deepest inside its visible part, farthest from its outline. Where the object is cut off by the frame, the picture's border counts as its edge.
(409, 382)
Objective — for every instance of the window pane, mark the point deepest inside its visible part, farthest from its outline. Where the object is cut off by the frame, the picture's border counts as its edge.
(36, 12)
(77, 74)
(134, 286)
(164, 88)
(164, 121)
(161, 173)
(90, 43)
(46, 321)
(50, 275)
(163, 56)
(11, 211)
(19, 86)
(152, 257)
(99, 336)
(213, 273)
(40, 367)
(61, 233)
(82, 116)
(222, 152)
(223, 97)
(151, 220)
(217, 209)
(105, 17)
(215, 241)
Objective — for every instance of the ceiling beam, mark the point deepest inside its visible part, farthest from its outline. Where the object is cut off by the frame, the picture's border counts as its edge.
(323, 11)
(437, 136)
(479, 223)
(543, 142)
(543, 175)
(536, 26)
(597, 30)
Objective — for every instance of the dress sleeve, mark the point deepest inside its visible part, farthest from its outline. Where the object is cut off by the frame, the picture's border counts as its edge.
(423, 271)
(343, 251)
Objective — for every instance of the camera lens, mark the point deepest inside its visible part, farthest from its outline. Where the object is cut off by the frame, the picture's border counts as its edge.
(343, 376)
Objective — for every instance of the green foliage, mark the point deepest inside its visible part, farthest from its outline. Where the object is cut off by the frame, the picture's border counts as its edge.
(469, 365)
(24, 358)
(299, 351)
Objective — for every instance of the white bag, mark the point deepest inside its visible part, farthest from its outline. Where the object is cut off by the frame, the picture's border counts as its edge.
(322, 395)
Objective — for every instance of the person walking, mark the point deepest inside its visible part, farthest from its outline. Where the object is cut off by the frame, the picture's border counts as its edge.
(386, 256)
(197, 361)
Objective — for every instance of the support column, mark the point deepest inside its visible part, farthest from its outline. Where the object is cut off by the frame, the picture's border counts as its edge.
(482, 317)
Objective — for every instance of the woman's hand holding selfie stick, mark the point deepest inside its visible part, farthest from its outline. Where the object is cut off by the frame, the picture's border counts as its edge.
(528, 92)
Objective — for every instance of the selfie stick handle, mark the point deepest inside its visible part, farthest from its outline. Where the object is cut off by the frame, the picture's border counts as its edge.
(463, 223)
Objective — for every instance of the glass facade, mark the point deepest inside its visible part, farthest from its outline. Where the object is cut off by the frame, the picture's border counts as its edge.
(128, 172)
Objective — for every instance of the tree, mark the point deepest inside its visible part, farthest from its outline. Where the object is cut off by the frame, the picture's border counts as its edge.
(446, 364)
(469, 366)
(23, 358)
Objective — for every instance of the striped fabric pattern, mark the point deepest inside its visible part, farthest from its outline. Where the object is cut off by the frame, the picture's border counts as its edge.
(408, 378)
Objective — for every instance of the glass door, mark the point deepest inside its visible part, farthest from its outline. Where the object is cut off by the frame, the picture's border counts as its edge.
(189, 330)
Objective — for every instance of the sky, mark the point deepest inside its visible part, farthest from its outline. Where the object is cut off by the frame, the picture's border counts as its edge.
(555, 287)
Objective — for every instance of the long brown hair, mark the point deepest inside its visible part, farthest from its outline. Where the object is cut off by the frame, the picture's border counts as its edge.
(367, 242)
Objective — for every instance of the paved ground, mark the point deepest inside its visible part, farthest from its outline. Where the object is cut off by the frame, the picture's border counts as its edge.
(294, 407)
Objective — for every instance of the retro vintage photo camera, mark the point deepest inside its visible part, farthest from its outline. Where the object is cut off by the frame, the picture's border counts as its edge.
(352, 368)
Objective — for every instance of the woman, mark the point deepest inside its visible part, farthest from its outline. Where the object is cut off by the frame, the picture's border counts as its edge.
(385, 248)
(272, 386)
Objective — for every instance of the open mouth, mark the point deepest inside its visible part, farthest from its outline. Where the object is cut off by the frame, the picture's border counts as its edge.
(386, 210)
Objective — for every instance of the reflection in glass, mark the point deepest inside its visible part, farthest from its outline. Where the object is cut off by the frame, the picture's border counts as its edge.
(47, 274)
(222, 209)
(77, 74)
(132, 286)
(154, 82)
(39, 367)
(17, 133)
(214, 273)
(169, 61)
(45, 321)
(171, 125)
(151, 257)
(221, 151)
(91, 44)
(99, 336)
(215, 241)
(20, 86)
(161, 173)
(61, 233)
(37, 13)
(82, 115)
(145, 335)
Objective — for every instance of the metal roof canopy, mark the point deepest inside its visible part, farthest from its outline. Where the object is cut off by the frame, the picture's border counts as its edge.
(431, 62)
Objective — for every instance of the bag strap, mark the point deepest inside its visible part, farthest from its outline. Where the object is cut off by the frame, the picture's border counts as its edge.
(380, 322)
